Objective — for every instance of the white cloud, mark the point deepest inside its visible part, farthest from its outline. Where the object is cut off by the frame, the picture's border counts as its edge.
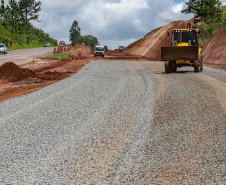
(177, 7)
(139, 25)
(113, 22)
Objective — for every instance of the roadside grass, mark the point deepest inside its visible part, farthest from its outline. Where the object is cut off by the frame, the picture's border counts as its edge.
(58, 56)
(27, 46)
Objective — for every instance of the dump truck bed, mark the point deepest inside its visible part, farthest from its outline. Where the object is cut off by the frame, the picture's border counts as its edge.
(180, 53)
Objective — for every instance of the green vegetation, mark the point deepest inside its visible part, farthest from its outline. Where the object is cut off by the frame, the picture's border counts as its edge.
(77, 38)
(206, 10)
(56, 56)
(15, 26)
(208, 15)
(210, 29)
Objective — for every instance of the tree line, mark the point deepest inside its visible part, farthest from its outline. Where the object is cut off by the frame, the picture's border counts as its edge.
(209, 16)
(16, 18)
(76, 37)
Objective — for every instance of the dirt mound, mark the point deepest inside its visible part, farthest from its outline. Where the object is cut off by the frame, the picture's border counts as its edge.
(13, 73)
(223, 8)
(150, 46)
(52, 75)
(214, 50)
(79, 53)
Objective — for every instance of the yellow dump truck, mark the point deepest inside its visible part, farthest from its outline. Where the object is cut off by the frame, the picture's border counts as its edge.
(121, 48)
(184, 50)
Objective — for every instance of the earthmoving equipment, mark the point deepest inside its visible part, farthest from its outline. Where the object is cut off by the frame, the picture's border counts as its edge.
(184, 50)
(106, 48)
(121, 48)
(99, 50)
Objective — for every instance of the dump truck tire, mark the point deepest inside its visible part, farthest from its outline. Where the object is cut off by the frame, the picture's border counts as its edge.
(173, 67)
(197, 67)
(201, 63)
(167, 67)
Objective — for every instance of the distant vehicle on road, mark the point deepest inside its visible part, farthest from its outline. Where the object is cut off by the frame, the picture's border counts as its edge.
(46, 44)
(99, 50)
(121, 48)
(3, 49)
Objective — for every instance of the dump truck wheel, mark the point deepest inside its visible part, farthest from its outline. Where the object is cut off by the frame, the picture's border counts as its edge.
(197, 67)
(201, 63)
(173, 68)
(167, 66)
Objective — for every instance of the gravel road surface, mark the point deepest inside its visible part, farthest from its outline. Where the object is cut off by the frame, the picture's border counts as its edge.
(118, 122)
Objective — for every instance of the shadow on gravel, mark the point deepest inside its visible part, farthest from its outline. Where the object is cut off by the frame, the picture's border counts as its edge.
(178, 72)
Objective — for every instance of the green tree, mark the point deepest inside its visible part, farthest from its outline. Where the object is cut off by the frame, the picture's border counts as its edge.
(90, 40)
(14, 16)
(2, 9)
(30, 9)
(206, 10)
(75, 32)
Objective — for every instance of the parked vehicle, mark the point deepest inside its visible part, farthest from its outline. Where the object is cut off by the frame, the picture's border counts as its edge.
(99, 50)
(3, 49)
(46, 44)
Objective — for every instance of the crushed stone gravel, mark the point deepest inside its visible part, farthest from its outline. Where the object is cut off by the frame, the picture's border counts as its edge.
(118, 122)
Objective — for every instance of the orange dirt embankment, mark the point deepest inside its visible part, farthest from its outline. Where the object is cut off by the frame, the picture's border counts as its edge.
(16, 81)
(224, 7)
(214, 51)
(79, 53)
(150, 46)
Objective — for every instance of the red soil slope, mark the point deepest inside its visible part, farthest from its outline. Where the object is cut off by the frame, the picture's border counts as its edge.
(214, 51)
(224, 7)
(150, 45)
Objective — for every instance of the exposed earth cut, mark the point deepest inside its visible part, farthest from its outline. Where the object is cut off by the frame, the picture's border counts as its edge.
(150, 46)
(214, 51)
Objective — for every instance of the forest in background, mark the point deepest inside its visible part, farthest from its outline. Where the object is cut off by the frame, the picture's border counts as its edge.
(16, 27)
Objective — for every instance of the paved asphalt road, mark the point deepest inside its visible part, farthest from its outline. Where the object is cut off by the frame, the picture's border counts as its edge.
(24, 56)
(118, 122)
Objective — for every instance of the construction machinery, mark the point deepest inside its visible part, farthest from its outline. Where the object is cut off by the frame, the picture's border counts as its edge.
(99, 50)
(121, 48)
(184, 50)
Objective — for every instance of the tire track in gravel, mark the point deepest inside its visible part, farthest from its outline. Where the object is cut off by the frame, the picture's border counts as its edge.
(125, 130)
(187, 139)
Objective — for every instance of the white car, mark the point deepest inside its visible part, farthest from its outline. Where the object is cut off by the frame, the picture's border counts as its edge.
(3, 49)
(46, 44)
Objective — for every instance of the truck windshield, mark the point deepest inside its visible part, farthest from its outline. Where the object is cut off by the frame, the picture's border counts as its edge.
(99, 49)
(186, 36)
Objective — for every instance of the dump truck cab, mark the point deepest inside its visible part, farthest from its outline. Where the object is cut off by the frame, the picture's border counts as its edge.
(184, 50)
(182, 37)
(99, 50)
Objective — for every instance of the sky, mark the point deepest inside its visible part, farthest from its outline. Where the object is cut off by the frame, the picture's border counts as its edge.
(113, 22)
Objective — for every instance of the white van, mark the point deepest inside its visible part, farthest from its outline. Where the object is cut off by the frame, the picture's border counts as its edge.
(99, 51)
